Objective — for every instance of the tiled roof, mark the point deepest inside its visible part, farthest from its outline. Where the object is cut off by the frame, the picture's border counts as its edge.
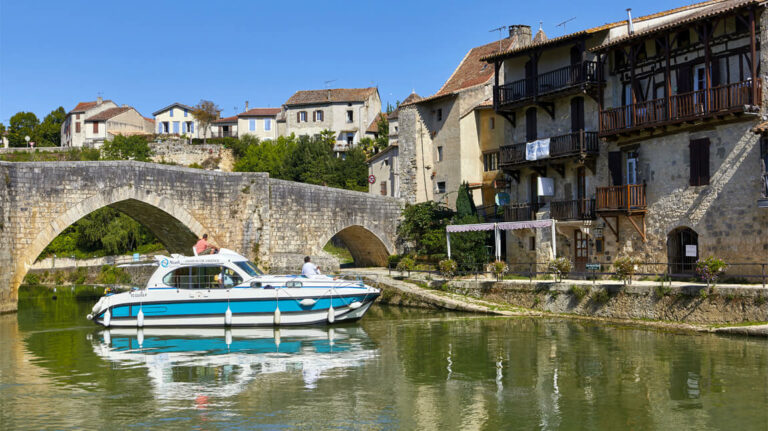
(381, 153)
(84, 106)
(710, 9)
(108, 113)
(557, 40)
(374, 126)
(180, 105)
(471, 70)
(151, 120)
(413, 97)
(260, 112)
(232, 119)
(331, 95)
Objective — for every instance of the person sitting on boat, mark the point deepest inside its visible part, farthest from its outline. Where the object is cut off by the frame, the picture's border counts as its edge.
(310, 269)
(203, 247)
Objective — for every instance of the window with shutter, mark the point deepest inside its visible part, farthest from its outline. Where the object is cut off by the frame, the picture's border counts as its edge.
(614, 166)
(95, 127)
(77, 127)
(699, 162)
(530, 125)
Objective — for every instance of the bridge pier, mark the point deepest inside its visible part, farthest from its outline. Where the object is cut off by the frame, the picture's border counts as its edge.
(281, 221)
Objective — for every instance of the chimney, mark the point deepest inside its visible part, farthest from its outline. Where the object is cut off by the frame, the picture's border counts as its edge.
(329, 94)
(521, 32)
(630, 25)
(246, 105)
(124, 105)
(99, 100)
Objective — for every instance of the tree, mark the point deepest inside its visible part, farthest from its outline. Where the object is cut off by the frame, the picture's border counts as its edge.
(206, 112)
(22, 124)
(423, 227)
(268, 156)
(351, 171)
(465, 206)
(382, 141)
(127, 148)
(48, 132)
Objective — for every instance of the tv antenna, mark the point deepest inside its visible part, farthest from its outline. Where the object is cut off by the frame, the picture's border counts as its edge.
(328, 83)
(562, 24)
(500, 30)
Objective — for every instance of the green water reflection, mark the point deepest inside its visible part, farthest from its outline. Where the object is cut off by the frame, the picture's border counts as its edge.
(396, 369)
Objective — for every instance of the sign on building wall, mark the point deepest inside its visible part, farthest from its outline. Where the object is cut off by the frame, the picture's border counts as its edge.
(546, 186)
(690, 251)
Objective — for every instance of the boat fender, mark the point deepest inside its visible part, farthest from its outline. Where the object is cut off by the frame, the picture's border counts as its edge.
(107, 318)
(140, 318)
(89, 317)
(355, 305)
(331, 315)
(307, 302)
(277, 316)
(228, 317)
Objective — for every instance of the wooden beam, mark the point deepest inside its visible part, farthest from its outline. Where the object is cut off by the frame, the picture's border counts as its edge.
(559, 168)
(615, 231)
(637, 228)
(548, 107)
(753, 51)
(509, 117)
(541, 170)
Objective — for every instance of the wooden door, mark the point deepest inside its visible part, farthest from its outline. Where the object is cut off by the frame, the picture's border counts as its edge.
(581, 251)
(577, 114)
(581, 191)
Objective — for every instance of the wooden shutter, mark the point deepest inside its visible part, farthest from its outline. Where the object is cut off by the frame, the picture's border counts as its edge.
(684, 83)
(577, 114)
(614, 166)
(95, 127)
(77, 127)
(530, 125)
(699, 161)
(715, 76)
(298, 117)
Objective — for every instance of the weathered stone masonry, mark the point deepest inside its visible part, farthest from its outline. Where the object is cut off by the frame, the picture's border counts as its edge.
(238, 211)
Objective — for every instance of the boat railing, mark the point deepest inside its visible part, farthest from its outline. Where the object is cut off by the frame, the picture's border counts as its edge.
(202, 281)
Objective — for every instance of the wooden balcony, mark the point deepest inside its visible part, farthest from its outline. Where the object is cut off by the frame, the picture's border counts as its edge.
(549, 83)
(696, 105)
(576, 144)
(521, 212)
(579, 209)
(626, 199)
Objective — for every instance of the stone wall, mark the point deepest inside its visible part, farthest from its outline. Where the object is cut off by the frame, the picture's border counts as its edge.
(261, 218)
(209, 156)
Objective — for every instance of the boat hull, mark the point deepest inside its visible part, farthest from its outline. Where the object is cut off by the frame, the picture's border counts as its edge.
(242, 309)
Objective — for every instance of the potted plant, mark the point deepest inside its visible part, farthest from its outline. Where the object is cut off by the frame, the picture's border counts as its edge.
(625, 268)
(498, 268)
(710, 269)
(560, 267)
(448, 267)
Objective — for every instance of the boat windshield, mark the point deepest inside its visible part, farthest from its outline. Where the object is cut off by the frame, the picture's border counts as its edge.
(249, 268)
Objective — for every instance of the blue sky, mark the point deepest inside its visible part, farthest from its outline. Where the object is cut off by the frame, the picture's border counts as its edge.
(149, 54)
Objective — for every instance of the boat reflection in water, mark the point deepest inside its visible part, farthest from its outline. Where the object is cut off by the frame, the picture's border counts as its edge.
(223, 362)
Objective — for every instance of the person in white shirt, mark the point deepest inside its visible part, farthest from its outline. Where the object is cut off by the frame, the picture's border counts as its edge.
(309, 269)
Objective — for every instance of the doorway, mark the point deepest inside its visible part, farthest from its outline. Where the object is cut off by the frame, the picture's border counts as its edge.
(581, 250)
(682, 250)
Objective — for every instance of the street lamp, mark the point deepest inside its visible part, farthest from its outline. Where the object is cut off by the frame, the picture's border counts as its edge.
(26, 138)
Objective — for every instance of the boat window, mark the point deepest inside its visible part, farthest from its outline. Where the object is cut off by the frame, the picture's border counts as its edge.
(202, 277)
(249, 268)
(293, 284)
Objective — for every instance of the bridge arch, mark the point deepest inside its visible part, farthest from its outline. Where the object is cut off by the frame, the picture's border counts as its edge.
(367, 247)
(176, 228)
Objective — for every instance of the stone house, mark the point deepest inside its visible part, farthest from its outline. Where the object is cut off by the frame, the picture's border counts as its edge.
(438, 136)
(73, 128)
(258, 122)
(681, 176)
(347, 112)
(383, 166)
(224, 127)
(177, 119)
(107, 124)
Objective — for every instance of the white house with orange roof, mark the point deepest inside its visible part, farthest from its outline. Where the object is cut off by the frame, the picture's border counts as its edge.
(105, 125)
(258, 122)
(73, 128)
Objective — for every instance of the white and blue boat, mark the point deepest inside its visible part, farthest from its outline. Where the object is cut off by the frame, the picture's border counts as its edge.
(226, 289)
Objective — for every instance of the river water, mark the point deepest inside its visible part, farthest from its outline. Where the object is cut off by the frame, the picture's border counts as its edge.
(396, 369)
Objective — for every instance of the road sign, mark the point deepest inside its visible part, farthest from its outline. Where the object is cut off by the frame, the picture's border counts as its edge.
(371, 179)
(593, 267)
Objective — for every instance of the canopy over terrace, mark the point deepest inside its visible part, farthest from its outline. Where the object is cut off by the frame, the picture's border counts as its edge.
(496, 228)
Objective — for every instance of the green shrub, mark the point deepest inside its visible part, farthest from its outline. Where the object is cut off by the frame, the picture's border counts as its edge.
(498, 268)
(625, 268)
(78, 276)
(662, 291)
(196, 166)
(31, 279)
(536, 301)
(560, 267)
(602, 297)
(393, 260)
(759, 300)
(113, 275)
(448, 267)
(578, 292)
(710, 269)
(405, 264)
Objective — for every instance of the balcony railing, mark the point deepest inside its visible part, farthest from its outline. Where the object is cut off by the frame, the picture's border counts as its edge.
(681, 107)
(627, 198)
(568, 145)
(226, 134)
(521, 212)
(764, 185)
(579, 209)
(549, 82)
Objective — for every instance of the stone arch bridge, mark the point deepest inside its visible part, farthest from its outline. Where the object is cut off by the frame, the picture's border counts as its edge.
(274, 221)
